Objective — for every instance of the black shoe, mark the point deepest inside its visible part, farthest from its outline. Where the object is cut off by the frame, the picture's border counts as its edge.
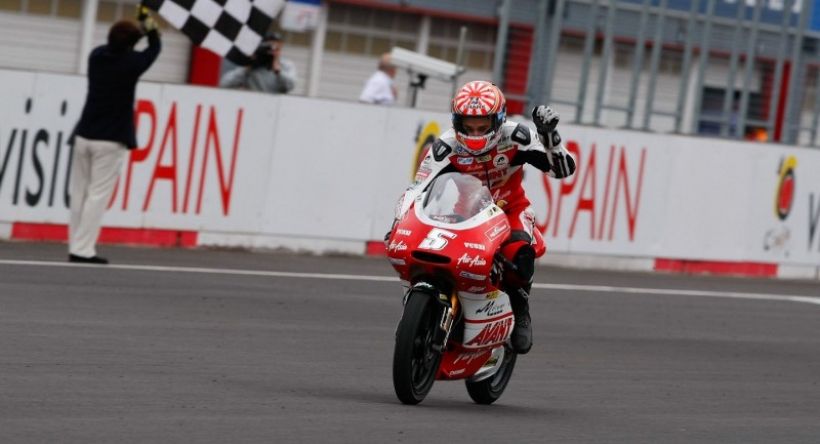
(521, 339)
(87, 260)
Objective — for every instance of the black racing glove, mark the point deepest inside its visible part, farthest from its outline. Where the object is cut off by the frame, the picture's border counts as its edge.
(545, 120)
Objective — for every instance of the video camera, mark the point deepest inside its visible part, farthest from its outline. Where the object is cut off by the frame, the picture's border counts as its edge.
(263, 56)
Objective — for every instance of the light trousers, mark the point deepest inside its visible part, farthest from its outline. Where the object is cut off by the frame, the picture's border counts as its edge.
(95, 167)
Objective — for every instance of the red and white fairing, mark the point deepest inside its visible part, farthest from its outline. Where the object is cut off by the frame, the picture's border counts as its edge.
(454, 230)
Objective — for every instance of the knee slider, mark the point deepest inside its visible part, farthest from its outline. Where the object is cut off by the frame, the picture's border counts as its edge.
(524, 259)
(522, 255)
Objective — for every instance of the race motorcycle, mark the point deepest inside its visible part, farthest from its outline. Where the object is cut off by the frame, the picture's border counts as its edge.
(457, 321)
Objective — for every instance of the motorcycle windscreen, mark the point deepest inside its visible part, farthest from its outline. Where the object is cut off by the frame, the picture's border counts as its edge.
(456, 197)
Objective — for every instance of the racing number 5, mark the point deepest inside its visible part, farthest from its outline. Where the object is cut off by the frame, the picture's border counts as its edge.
(436, 239)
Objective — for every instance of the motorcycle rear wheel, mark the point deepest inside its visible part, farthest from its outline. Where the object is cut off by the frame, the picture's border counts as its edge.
(489, 390)
(415, 362)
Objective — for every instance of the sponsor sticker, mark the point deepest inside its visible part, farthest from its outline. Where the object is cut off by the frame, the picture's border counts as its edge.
(501, 161)
(403, 232)
(471, 261)
(397, 246)
(476, 289)
(491, 309)
(465, 160)
(492, 333)
(468, 357)
(497, 230)
(475, 246)
(473, 276)
(395, 261)
(484, 158)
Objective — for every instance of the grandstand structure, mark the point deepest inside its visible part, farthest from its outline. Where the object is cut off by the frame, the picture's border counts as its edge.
(731, 69)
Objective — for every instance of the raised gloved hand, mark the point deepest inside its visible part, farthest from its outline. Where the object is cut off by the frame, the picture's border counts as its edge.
(546, 119)
(147, 23)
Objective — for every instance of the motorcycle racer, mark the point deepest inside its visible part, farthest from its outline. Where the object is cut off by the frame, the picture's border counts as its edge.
(481, 143)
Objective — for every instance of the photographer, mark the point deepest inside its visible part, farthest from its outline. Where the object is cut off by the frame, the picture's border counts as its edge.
(268, 71)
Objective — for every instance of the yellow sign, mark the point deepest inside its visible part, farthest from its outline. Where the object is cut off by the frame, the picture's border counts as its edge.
(428, 133)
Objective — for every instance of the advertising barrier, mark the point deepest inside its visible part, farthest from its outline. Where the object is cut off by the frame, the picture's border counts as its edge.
(217, 167)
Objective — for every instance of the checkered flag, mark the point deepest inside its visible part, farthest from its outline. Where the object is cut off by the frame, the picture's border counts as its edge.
(230, 28)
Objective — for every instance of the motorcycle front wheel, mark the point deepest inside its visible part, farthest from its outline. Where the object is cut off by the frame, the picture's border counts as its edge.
(489, 390)
(415, 362)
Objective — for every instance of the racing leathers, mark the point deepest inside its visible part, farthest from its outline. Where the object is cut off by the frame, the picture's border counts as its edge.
(501, 169)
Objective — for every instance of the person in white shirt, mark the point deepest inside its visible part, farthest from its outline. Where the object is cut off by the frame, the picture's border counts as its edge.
(379, 88)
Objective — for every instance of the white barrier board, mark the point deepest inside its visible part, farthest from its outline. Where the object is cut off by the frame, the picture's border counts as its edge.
(254, 169)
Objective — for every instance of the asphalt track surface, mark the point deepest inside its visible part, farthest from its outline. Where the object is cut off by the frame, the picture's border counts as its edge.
(170, 346)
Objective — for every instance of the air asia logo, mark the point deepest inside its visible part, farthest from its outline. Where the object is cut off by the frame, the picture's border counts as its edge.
(397, 246)
(777, 239)
(475, 261)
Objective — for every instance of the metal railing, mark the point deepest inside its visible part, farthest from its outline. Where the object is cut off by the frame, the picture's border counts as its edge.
(731, 70)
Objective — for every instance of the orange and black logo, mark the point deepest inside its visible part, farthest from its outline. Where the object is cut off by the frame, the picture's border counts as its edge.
(785, 187)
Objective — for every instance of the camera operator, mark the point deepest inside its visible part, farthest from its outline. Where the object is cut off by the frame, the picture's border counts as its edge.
(268, 71)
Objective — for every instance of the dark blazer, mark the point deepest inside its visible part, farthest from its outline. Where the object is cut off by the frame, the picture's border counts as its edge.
(108, 113)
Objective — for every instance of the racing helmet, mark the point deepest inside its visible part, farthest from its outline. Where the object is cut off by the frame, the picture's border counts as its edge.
(477, 99)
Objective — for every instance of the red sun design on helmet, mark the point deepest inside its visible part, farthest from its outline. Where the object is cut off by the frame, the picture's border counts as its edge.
(478, 99)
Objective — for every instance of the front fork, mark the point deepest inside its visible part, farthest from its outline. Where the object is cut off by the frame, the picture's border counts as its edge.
(448, 314)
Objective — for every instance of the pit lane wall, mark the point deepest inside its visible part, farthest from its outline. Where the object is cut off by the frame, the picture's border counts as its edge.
(239, 169)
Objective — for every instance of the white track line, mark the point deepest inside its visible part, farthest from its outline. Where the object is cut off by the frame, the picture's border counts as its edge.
(355, 277)
(677, 292)
(228, 271)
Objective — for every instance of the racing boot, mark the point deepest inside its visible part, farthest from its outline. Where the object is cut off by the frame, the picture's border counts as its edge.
(521, 339)
(518, 280)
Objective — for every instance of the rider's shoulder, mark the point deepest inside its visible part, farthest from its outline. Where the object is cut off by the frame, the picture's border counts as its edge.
(448, 137)
(519, 133)
(444, 146)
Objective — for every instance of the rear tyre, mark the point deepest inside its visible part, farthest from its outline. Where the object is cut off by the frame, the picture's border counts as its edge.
(489, 390)
(415, 362)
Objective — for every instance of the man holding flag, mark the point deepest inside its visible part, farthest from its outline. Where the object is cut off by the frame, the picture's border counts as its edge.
(106, 131)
